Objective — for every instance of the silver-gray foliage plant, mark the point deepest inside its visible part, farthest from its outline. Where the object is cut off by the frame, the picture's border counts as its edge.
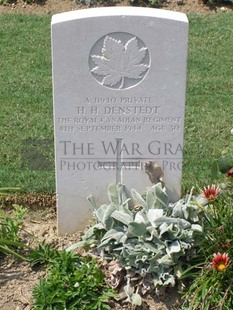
(149, 237)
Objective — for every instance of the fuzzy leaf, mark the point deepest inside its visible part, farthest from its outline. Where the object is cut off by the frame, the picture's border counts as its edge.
(137, 229)
(90, 233)
(150, 198)
(112, 234)
(168, 279)
(136, 299)
(177, 209)
(174, 247)
(88, 238)
(113, 194)
(196, 227)
(117, 194)
(122, 217)
(185, 212)
(128, 291)
(154, 214)
(91, 199)
(166, 260)
(139, 200)
(107, 219)
(76, 245)
(121, 193)
(155, 248)
(193, 215)
(124, 208)
(99, 213)
(165, 228)
(115, 233)
(182, 223)
(162, 199)
(140, 217)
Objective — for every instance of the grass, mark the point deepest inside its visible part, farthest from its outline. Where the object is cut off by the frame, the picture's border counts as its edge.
(209, 95)
(26, 99)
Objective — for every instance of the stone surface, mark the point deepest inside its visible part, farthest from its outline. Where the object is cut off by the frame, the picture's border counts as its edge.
(119, 77)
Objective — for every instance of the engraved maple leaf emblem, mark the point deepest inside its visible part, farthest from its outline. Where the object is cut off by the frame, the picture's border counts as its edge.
(120, 61)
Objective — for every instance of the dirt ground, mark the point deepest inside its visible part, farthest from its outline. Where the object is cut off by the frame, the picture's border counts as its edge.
(58, 6)
(17, 278)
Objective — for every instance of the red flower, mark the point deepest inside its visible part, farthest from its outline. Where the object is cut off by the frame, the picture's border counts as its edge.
(211, 193)
(220, 261)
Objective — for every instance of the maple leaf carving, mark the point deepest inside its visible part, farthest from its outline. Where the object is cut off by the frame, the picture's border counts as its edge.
(119, 61)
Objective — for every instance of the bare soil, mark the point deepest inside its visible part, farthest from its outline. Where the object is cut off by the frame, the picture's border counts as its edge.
(17, 278)
(59, 6)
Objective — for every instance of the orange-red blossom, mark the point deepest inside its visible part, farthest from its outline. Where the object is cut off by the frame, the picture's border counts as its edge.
(211, 192)
(220, 261)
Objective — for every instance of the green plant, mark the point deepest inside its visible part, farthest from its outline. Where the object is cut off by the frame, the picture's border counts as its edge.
(73, 282)
(7, 1)
(156, 3)
(212, 286)
(10, 225)
(150, 238)
(45, 254)
(211, 290)
(9, 232)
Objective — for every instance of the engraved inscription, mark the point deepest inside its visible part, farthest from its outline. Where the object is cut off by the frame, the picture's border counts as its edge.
(122, 61)
(120, 114)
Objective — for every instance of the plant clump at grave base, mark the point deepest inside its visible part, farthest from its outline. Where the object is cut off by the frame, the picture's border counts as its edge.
(149, 241)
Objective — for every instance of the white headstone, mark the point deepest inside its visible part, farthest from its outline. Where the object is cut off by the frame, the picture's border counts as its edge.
(119, 77)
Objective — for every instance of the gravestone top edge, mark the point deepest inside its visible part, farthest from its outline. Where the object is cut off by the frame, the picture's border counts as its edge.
(119, 11)
(119, 77)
